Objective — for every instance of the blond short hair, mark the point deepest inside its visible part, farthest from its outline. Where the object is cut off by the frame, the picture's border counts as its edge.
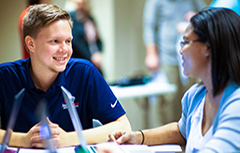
(41, 15)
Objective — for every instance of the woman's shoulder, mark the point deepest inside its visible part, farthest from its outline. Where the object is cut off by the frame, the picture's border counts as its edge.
(193, 97)
(195, 90)
(231, 93)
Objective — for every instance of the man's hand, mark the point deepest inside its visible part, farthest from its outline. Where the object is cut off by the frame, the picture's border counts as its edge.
(59, 136)
(152, 60)
(96, 59)
(36, 139)
(25, 138)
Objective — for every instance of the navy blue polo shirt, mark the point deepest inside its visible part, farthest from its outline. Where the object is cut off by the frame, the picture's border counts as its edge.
(93, 97)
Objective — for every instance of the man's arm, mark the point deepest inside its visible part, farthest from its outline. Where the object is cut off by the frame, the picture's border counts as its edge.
(152, 60)
(150, 16)
(19, 139)
(92, 136)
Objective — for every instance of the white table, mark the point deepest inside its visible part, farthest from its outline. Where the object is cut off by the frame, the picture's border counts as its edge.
(157, 86)
(138, 91)
(170, 148)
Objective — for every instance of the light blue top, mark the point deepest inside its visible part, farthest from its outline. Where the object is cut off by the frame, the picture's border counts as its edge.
(196, 139)
(231, 4)
(159, 25)
(226, 124)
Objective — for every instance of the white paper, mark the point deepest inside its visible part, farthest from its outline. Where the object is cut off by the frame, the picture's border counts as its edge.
(60, 150)
(136, 148)
(166, 148)
(115, 148)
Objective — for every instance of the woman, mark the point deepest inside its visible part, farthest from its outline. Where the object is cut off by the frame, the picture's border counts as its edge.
(86, 42)
(210, 110)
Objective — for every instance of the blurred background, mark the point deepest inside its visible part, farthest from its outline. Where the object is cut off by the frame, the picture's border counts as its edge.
(119, 24)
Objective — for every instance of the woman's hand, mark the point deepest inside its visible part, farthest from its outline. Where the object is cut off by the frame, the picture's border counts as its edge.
(126, 137)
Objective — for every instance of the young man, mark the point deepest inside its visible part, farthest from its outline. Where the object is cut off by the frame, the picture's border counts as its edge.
(47, 31)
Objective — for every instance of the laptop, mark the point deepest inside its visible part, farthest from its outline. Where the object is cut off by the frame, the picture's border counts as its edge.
(69, 99)
(16, 105)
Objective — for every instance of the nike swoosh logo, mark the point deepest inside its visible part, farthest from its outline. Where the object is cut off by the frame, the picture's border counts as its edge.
(113, 105)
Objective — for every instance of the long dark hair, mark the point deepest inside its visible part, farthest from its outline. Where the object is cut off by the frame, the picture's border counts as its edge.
(220, 27)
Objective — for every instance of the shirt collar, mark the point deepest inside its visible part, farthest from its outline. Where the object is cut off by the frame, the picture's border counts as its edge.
(60, 80)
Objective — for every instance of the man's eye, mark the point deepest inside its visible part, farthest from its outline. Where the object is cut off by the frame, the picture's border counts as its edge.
(54, 41)
(68, 41)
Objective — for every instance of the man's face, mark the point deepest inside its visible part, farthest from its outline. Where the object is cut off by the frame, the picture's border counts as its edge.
(53, 47)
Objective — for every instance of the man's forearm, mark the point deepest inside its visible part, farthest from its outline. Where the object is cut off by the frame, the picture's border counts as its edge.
(151, 49)
(17, 139)
(92, 136)
(20, 140)
(100, 134)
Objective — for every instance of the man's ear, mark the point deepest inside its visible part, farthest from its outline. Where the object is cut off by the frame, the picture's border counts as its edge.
(29, 41)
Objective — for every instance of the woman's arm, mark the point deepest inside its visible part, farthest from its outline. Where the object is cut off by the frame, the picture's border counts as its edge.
(167, 134)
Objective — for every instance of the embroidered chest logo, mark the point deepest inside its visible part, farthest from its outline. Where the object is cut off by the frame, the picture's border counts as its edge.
(64, 105)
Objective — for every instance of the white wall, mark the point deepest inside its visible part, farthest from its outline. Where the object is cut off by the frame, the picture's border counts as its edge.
(9, 39)
(120, 25)
(104, 13)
